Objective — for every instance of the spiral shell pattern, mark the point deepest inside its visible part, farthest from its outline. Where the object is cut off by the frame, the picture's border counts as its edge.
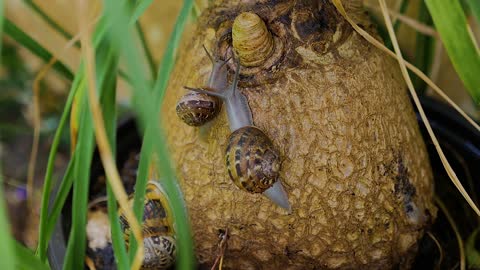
(196, 109)
(252, 41)
(252, 162)
(158, 232)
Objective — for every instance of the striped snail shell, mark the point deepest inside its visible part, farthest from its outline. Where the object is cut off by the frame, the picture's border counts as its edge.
(251, 159)
(158, 231)
(252, 41)
(196, 109)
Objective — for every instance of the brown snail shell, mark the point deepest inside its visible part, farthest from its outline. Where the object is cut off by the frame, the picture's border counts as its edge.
(252, 41)
(196, 109)
(252, 162)
(158, 231)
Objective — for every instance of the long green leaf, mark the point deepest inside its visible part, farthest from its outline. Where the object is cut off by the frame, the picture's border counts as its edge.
(450, 21)
(7, 247)
(107, 62)
(75, 254)
(146, 49)
(106, 66)
(25, 260)
(471, 252)
(43, 237)
(25, 40)
(140, 184)
(425, 47)
(57, 205)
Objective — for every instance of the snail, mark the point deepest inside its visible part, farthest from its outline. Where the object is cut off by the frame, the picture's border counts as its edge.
(252, 162)
(196, 109)
(158, 231)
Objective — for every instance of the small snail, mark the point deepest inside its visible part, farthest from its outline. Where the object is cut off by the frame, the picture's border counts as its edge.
(252, 162)
(158, 232)
(252, 41)
(196, 109)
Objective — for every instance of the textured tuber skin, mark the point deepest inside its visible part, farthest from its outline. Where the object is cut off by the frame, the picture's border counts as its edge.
(354, 164)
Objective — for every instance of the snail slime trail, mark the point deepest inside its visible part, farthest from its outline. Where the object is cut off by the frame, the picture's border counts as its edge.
(330, 124)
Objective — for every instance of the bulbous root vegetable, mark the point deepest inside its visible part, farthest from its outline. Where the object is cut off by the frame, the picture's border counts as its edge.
(354, 164)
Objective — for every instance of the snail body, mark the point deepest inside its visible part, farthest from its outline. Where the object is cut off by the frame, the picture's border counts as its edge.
(196, 109)
(158, 231)
(252, 162)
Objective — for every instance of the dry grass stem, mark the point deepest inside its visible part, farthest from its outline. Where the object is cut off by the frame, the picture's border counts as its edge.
(222, 247)
(440, 249)
(413, 23)
(461, 248)
(96, 201)
(105, 151)
(403, 65)
(414, 69)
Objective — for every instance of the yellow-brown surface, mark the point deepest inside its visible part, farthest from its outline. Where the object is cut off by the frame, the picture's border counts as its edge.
(354, 164)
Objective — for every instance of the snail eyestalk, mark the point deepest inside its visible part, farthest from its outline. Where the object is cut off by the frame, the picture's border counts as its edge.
(209, 55)
(252, 41)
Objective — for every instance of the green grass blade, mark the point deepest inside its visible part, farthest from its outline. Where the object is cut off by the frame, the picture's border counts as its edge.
(402, 10)
(25, 40)
(43, 237)
(450, 21)
(140, 184)
(106, 68)
(25, 259)
(474, 6)
(471, 252)
(146, 49)
(75, 254)
(139, 9)
(59, 201)
(425, 46)
(148, 111)
(7, 247)
(107, 62)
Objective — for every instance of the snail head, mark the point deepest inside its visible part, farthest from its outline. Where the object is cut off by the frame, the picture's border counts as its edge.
(270, 164)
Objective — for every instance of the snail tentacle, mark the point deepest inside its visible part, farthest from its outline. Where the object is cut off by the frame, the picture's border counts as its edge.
(208, 54)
